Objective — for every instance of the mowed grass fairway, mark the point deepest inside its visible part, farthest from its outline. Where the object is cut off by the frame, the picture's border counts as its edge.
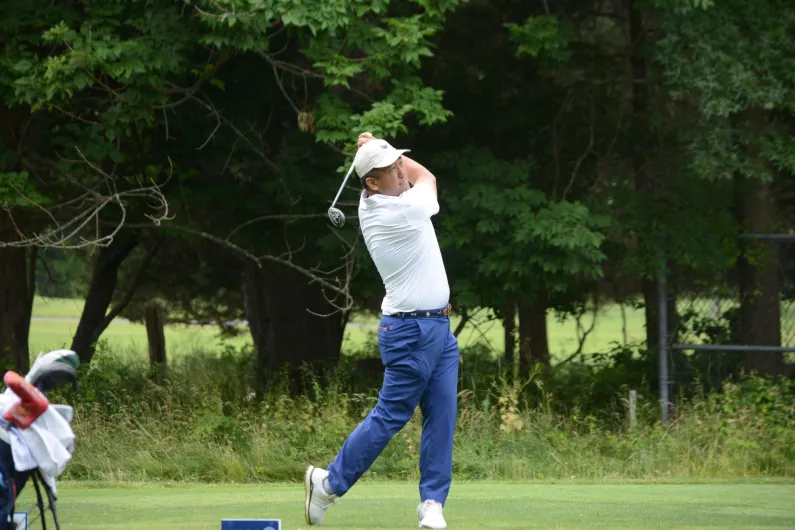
(471, 506)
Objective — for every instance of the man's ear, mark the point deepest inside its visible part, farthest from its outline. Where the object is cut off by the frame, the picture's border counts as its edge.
(371, 183)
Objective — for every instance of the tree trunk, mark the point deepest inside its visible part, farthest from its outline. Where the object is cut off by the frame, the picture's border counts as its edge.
(651, 313)
(533, 343)
(100, 293)
(643, 179)
(509, 325)
(256, 300)
(17, 265)
(156, 338)
(17, 289)
(284, 332)
(757, 268)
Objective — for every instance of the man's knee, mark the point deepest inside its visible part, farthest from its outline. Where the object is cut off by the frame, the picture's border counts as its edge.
(394, 415)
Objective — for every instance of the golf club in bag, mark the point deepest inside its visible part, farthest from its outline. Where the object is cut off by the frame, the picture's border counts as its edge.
(36, 440)
(335, 214)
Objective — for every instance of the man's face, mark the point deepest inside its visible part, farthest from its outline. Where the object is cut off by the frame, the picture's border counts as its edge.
(390, 180)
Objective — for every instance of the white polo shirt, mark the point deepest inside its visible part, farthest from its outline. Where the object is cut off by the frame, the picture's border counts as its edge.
(402, 242)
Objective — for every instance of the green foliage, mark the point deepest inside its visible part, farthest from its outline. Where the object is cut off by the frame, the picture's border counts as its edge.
(384, 119)
(61, 274)
(689, 218)
(734, 62)
(94, 54)
(517, 237)
(16, 189)
(115, 77)
(139, 59)
(542, 37)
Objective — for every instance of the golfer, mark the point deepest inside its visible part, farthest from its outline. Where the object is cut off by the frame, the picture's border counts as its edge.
(419, 351)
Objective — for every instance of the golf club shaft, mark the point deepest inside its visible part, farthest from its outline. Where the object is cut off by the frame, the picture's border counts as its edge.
(350, 170)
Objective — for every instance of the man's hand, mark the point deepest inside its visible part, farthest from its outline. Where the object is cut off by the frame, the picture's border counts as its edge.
(415, 171)
(364, 138)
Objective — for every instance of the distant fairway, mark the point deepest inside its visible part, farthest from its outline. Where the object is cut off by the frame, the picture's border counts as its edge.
(470, 506)
(126, 338)
(55, 321)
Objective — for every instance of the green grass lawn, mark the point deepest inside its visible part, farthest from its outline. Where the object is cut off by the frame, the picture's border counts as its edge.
(126, 337)
(470, 506)
(57, 307)
(562, 333)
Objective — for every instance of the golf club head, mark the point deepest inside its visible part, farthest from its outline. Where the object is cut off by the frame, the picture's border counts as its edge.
(337, 217)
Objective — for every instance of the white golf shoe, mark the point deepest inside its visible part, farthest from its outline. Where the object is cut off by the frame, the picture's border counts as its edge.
(318, 500)
(430, 514)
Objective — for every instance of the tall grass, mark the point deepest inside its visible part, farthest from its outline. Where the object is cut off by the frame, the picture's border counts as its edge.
(206, 424)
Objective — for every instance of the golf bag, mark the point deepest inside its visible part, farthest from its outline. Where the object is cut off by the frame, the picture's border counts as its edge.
(36, 440)
(11, 485)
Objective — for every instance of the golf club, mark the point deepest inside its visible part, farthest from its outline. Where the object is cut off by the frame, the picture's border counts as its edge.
(335, 214)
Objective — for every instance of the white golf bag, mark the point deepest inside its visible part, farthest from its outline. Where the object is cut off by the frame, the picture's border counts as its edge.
(36, 439)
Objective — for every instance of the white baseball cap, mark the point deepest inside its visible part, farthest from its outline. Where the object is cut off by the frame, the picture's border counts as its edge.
(375, 154)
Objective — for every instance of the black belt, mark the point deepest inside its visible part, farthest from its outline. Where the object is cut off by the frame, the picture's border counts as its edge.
(424, 313)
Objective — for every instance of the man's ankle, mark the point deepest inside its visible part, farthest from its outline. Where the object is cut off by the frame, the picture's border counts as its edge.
(327, 486)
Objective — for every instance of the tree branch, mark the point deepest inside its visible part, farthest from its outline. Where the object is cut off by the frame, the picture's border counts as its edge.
(128, 296)
(281, 87)
(283, 217)
(555, 154)
(582, 334)
(290, 67)
(237, 131)
(50, 276)
(482, 333)
(339, 290)
(89, 206)
(585, 153)
(460, 327)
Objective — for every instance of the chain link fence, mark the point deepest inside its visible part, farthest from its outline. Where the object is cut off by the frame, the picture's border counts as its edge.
(710, 335)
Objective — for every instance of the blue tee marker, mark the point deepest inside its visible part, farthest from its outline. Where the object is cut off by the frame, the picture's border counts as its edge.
(251, 524)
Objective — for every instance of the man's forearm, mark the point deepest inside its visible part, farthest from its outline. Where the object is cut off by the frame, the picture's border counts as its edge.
(417, 173)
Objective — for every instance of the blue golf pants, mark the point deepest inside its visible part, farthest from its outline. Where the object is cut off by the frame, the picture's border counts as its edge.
(420, 357)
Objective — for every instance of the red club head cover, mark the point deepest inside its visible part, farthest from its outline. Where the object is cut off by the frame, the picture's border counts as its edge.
(31, 405)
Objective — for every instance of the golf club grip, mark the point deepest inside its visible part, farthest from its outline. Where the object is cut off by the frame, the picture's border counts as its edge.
(350, 170)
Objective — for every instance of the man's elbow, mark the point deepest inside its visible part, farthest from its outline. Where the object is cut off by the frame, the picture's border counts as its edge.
(432, 182)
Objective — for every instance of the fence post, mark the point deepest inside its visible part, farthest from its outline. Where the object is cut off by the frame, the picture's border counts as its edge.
(633, 404)
(662, 295)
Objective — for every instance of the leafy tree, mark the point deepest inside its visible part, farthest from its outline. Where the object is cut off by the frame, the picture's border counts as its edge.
(729, 68)
(124, 96)
(525, 218)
